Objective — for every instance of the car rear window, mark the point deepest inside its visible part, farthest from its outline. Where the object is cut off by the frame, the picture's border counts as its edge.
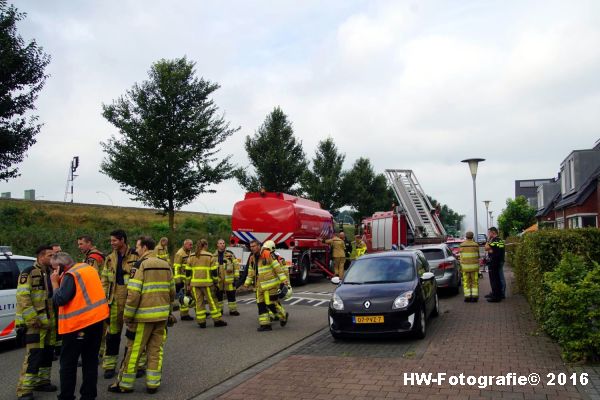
(22, 264)
(381, 270)
(9, 273)
(433, 254)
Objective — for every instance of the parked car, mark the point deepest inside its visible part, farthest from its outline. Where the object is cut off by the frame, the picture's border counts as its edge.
(444, 265)
(454, 245)
(10, 268)
(481, 238)
(384, 293)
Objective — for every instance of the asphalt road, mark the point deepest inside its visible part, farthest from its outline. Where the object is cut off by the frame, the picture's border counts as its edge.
(196, 359)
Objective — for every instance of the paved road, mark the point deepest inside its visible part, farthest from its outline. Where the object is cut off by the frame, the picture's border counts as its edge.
(197, 359)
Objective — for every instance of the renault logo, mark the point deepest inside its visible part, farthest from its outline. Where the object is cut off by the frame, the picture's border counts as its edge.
(367, 304)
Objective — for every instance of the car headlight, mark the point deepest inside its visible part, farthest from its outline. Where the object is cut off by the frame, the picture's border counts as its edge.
(403, 300)
(337, 303)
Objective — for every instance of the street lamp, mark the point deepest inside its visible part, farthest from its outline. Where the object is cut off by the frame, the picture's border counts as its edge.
(473, 162)
(491, 219)
(487, 220)
(106, 194)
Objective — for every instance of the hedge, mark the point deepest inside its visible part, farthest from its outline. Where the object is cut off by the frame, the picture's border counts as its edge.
(557, 271)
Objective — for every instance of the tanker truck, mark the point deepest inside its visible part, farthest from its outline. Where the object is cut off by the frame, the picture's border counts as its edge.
(296, 225)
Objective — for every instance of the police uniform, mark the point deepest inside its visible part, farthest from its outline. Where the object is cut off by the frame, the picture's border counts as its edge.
(266, 275)
(204, 276)
(150, 292)
(35, 313)
(181, 271)
(115, 277)
(496, 255)
(228, 270)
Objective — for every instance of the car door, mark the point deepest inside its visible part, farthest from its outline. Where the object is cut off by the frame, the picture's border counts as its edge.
(427, 285)
(9, 274)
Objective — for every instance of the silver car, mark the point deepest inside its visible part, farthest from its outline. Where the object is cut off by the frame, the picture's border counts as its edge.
(10, 268)
(444, 265)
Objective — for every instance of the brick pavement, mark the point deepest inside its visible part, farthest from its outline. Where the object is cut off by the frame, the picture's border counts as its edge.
(473, 339)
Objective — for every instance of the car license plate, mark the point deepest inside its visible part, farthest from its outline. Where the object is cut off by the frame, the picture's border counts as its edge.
(371, 319)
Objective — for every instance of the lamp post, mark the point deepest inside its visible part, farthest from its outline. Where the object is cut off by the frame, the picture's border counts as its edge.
(106, 194)
(491, 219)
(473, 163)
(487, 220)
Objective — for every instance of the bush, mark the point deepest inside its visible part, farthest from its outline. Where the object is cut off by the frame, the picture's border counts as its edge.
(538, 253)
(571, 310)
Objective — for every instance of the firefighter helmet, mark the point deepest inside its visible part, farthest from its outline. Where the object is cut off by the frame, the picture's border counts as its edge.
(189, 301)
(284, 292)
(269, 245)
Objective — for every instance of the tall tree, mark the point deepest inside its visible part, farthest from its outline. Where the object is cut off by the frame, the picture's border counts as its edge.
(450, 219)
(276, 156)
(170, 130)
(21, 79)
(323, 182)
(365, 191)
(517, 216)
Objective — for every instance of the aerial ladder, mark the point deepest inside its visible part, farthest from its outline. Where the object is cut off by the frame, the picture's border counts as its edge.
(420, 214)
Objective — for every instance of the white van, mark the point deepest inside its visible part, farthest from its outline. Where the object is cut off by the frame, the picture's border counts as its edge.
(10, 268)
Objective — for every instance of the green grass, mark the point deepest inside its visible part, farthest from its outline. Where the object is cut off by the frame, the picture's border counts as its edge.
(25, 225)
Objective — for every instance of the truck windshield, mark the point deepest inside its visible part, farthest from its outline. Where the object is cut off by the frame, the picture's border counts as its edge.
(380, 270)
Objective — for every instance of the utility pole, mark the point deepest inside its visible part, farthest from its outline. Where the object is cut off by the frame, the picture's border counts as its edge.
(71, 177)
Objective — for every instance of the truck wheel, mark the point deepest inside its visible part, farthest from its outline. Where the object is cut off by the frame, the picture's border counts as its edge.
(304, 270)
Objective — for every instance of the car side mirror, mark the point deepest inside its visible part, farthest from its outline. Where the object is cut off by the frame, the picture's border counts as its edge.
(336, 280)
(427, 276)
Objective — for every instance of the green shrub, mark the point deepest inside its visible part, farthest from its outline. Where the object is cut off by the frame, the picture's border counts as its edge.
(571, 308)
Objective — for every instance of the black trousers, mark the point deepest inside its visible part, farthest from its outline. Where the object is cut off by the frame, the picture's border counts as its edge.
(495, 282)
(84, 343)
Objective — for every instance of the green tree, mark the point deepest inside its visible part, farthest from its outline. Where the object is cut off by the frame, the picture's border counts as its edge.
(517, 216)
(450, 219)
(365, 191)
(276, 156)
(322, 183)
(170, 130)
(21, 79)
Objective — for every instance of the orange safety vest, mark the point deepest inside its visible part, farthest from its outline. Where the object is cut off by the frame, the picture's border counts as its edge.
(88, 306)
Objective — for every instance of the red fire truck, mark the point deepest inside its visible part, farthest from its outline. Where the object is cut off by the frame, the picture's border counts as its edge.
(296, 225)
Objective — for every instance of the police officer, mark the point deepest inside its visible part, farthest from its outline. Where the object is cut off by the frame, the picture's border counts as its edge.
(82, 309)
(91, 255)
(204, 276)
(495, 249)
(150, 292)
(182, 273)
(228, 270)
(266, 275)
(115, 276)
(35, 315)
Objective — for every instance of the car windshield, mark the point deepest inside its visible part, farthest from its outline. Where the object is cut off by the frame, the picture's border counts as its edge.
(433, 254)
(380, 270)
(453, 245)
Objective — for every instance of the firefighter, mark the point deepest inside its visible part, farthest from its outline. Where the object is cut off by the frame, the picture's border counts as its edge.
(229, 272)
(35, 317)
(162, 249)
(274, 316)
(469, 262)
(359, 247)
(266, 275)
(115, 276)
(150, 292)
(338, 248)
(204, 277)
(181, 268)
(92, 256)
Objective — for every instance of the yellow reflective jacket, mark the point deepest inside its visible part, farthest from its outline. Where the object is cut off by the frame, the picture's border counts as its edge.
(469, 256)
(109, 271)
(228, 269)
(150, 291)
(180, 264)
(32, 297)
(204, 272)
(269, 275)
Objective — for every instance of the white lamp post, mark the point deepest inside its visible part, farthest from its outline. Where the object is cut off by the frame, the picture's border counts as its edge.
(491, 219)
(473, 163)
(487, 220)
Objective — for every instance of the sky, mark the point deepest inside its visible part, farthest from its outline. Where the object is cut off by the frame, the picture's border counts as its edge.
(415, 85)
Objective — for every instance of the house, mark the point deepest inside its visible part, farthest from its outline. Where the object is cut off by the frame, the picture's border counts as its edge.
(548, 194)
(528, 188)
(579, 202)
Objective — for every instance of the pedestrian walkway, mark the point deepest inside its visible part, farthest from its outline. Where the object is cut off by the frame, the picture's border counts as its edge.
(473, 339)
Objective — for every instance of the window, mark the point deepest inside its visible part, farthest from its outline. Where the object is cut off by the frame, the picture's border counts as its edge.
(540, 198)
(573, 222)
(524, 184)
(433, 254)
(572, 174)
(380, 270)
(9, 274)
(560, 223)
(588, 221)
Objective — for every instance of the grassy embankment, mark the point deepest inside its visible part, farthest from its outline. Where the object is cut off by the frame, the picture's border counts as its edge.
(24, 225)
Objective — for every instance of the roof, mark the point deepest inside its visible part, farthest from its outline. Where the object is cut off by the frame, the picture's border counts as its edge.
(550, 206)
(586, 189)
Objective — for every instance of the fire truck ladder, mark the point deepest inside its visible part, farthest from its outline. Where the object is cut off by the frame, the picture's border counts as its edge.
(419, 212)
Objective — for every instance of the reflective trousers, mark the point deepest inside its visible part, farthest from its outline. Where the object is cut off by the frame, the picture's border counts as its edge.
(228, 290)
(266, 305)
(471, 283)
(205, 296)
(38, 360)
(338, 266)
(115, 327)
(148, 336)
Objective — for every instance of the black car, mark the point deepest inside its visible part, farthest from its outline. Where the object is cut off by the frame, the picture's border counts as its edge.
(384, 293)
